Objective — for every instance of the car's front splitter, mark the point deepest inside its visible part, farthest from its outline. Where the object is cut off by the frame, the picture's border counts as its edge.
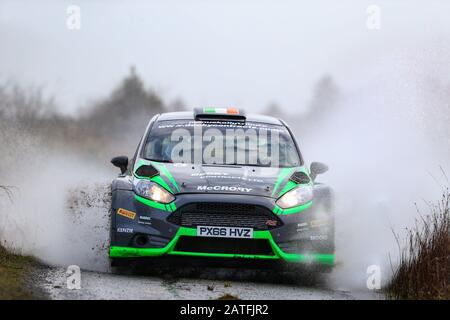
(309, 258)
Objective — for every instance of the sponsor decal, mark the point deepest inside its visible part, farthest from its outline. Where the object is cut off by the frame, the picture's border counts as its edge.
(303, 226)
(223, 188)
(126, 213)
(145, 220)
(208, 174)
(225, 176)
(319, 223)
(319, 237)
(271, 223)
(125, 230)
(180, 165)
(224, 232)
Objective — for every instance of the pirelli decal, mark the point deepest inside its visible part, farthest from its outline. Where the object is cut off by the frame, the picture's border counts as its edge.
(127, 213)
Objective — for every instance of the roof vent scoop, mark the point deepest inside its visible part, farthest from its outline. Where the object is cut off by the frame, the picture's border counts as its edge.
(147, 171)
(300, 177)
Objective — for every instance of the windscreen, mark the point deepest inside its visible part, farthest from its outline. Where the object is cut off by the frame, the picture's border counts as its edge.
(221, 143)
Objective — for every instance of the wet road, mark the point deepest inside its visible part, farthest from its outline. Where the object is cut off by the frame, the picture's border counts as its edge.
(218, 284)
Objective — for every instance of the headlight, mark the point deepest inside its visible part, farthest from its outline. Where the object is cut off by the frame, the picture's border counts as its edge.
(295, 197)
(152, 191)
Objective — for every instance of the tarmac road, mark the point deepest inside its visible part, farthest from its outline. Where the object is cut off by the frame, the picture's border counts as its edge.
(206, 284)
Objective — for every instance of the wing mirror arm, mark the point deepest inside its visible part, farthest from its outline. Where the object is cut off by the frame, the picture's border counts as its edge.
(317, 168)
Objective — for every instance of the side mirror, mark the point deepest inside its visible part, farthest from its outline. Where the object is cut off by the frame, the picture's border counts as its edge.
(317, 168)
(121, 162)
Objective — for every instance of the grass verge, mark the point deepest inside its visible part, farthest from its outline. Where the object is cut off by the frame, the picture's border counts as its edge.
(423, 271)
(14, 271)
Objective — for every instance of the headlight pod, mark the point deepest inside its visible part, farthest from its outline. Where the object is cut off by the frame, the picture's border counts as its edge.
(152, 191)
(295, 197)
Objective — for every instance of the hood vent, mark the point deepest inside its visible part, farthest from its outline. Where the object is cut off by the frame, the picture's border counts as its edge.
(147, 171)
(300, 177)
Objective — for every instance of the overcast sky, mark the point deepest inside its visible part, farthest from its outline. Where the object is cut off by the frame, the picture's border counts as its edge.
(239, 53)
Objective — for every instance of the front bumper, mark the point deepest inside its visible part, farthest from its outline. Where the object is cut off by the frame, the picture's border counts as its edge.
(130, 252)
(168, 235)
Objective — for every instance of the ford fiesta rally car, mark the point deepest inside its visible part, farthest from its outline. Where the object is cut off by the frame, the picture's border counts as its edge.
(178, 196)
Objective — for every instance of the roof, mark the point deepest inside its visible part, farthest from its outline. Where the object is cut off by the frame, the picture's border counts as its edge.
(189, 115)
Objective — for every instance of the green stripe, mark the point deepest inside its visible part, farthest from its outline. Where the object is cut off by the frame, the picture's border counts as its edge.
(161, 182)
(288, 187)
(162, 168)
(209, 110)
(284, 172)
(291, 184)
(161, 206)
(298, 208)
(140, 163)
(279, 211)
(157, 179)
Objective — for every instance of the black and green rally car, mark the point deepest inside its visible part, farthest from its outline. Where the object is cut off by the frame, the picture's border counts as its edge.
(217, 183)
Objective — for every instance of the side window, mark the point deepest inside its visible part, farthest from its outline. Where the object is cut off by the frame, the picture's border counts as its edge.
(152, 148)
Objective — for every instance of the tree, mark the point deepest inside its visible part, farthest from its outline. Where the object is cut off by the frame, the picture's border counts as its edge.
(325, 97)
(177, 105)
(7, 191)
(128, 108)
(274, 110)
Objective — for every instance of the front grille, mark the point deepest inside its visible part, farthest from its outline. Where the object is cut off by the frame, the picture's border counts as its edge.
(224, 245)
(225, 215)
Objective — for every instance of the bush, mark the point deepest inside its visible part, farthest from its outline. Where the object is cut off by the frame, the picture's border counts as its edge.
(107, 127)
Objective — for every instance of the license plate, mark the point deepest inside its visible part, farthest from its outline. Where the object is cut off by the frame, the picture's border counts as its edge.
(225, 232)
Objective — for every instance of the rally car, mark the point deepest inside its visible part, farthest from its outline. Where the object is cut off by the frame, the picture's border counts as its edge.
(219, 183)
